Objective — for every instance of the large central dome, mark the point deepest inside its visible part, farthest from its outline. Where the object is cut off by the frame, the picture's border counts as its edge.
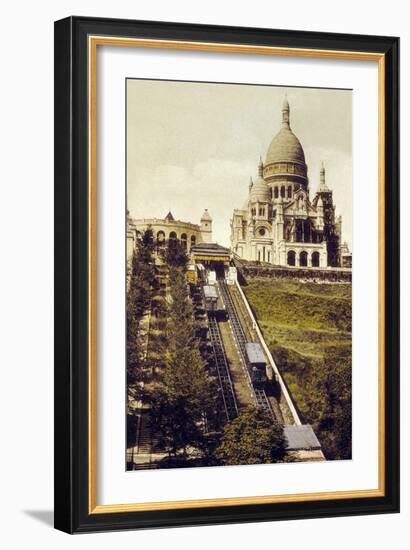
(285, 158)
(285, 147)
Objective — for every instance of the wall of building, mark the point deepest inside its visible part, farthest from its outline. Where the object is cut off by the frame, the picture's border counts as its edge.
(281, 226)
(251, 269)
(163, 230)
(173, 229)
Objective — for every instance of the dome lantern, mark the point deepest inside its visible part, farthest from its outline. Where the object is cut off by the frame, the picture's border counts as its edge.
(285, 114)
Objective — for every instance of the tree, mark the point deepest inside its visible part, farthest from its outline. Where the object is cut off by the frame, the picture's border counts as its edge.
(185, 393)
(333, 382)
(251, 438)
(138, 299)
(175, 254)
(323, 391)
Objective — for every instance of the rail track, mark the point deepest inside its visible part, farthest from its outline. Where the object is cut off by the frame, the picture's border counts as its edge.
(225, 382)
(260, 396)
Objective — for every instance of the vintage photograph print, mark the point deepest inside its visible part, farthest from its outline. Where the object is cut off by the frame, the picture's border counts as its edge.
(239, 274)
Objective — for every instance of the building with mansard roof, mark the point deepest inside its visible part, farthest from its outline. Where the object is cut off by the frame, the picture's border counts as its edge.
(279, 223)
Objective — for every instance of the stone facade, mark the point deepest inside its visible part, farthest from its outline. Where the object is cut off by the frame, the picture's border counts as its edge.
(279, 224)
(189, 234)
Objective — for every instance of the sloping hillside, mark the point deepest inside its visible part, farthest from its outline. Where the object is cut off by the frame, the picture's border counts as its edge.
(307, 327)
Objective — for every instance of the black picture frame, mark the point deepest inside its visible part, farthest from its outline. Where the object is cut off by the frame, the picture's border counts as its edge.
(71, 491)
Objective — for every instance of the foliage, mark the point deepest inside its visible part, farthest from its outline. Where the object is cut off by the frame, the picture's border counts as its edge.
(309, 336)
(251, 438)
(323, 394)
(183, 397)
(138, 299)
(174, 254)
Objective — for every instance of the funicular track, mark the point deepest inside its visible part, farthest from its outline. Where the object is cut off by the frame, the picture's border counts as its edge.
(225, 382)
(261, 398)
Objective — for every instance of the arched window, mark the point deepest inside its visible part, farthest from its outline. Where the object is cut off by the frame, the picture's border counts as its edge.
(172, 236)
(289, 191)
(282, 191)
(303, 259)
(315, 259)
(160, 237)
(184, 240)
(291, 257)
(276, 193)
(193, 240)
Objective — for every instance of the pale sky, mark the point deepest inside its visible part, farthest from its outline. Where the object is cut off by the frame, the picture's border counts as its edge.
(192, 146)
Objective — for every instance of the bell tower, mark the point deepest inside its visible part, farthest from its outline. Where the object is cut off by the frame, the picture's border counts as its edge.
(206, 227)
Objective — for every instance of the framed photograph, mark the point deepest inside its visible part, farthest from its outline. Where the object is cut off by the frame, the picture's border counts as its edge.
(226, 274)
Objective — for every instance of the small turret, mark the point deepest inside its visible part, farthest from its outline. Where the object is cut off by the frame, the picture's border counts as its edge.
(260, 167)
(323, 188)
(206, 227)
(259, 192)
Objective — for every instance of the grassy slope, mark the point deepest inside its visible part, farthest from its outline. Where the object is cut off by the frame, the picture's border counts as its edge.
(307, 327)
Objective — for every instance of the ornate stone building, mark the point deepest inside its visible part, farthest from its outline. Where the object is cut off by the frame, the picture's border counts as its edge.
(189, 234)
(279, 224)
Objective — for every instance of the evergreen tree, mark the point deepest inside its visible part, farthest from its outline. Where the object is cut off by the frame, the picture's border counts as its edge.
(251, 438)
(175, 254)
(138, 300)
(185, 394)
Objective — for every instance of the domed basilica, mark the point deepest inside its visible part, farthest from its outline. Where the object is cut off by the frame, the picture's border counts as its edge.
(279, 224)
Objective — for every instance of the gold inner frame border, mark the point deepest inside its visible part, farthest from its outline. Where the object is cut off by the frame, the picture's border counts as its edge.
(93, 43)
